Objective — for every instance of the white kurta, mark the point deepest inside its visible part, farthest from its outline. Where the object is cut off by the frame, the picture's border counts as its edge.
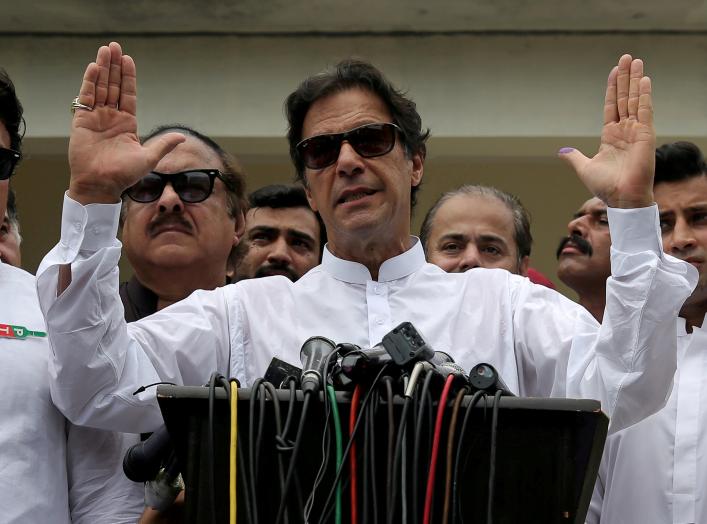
(656, 471)
(50, 470)
(542, 343)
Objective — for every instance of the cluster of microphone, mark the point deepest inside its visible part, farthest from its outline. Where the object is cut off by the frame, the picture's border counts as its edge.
(408, 367)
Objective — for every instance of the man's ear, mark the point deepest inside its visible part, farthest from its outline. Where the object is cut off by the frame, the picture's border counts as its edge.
(418, 164)
(239, 228)
(523, 266)
(310, 199)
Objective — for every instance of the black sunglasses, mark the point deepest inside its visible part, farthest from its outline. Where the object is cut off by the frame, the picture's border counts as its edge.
(369, 140)
(192, 186)
(8, 161)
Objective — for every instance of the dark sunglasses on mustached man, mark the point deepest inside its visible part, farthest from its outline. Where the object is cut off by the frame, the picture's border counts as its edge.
(368, 140)
(8, 162)
(192, 186)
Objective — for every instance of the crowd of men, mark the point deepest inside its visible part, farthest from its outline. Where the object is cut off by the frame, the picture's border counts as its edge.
(224, 281)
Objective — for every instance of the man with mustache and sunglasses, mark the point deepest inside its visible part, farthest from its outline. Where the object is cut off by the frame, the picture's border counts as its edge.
(358, 145)
(180, 223)
(656, 470)
(584, 261)
(50, 469)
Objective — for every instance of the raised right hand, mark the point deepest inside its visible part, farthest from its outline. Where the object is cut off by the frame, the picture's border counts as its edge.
(105, 154)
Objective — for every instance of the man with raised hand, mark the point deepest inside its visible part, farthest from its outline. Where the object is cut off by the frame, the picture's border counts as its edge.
(358, 145)
(656, 470)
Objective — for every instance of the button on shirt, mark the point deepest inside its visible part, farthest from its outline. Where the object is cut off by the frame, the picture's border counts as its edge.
(656, 471)
(542, 343)
(50, 470)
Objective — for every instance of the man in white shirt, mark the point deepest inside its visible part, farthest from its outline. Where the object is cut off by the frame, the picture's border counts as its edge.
(50, 470)
(583, 256)
(359, 146)
(656, 470)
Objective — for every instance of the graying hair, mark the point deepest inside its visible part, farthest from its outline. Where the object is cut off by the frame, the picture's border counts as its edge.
(521, 217)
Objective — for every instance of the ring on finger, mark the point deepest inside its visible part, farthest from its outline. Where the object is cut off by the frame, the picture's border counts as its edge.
(75, 104)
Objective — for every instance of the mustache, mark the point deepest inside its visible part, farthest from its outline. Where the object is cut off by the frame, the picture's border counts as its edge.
(268, 270)
(168, 219)
(584, 247)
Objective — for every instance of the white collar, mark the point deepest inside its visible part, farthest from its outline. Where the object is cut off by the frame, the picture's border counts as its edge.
(394, 268)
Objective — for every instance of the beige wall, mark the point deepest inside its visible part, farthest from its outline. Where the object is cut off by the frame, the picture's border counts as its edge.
(498, 106)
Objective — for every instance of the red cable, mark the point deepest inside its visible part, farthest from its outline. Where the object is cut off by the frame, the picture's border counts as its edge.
(352, 454)
(435, 448)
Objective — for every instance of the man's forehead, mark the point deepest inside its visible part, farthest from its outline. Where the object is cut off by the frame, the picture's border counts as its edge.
(691, 192)
(191, 153)
(474, 216)
(344, 110)
(591, 206)
(298, 217)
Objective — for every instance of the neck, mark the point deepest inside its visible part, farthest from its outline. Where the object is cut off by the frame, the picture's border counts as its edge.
(371, 252)
(694, 314)
(176, 284)
(594, 303)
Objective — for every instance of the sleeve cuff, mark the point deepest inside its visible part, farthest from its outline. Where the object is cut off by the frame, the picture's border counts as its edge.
(90, 227)
(635, 230)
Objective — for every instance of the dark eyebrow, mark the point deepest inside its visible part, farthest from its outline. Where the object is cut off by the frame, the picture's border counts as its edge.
(300, 235)
(452, 236)
(492, 238)
(272, 231)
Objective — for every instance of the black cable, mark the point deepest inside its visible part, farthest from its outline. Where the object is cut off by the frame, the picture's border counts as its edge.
(424, 397)
(455, 500)
(284, 444)
(345, 455)
(391, 440)
(372, 427)
(396, 460)
(261, 425)
(254, 390)
(492, 457)
(365, 474)
(244, 480)
(295, 451)
(278, 429)
(210, 447)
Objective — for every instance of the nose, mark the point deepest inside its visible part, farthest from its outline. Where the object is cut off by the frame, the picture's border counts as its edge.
(681, 239)
(578, 226)
(279, 252)
(169, 201)
(470, 258)
(349, 163)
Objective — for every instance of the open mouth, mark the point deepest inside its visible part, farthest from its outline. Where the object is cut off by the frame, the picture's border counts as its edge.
(355, 195)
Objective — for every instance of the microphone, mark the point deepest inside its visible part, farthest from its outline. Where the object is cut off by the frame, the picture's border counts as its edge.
(484, 377)
(313, 356)
(143, 460)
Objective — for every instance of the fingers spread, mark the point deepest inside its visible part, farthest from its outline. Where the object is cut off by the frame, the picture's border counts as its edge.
(622, 85)
(114, 74)
(103, 61)
(645, 101)
(128, 87)
(611, 114)
(158, 147)
(635, 75)
(87, 93)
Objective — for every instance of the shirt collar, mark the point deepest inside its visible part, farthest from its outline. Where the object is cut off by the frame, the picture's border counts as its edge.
(394, 268)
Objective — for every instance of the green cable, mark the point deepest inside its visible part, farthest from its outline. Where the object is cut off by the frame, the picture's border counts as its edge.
(339, 450)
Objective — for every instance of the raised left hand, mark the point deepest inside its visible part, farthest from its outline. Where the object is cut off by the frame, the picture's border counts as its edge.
(621, 173)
